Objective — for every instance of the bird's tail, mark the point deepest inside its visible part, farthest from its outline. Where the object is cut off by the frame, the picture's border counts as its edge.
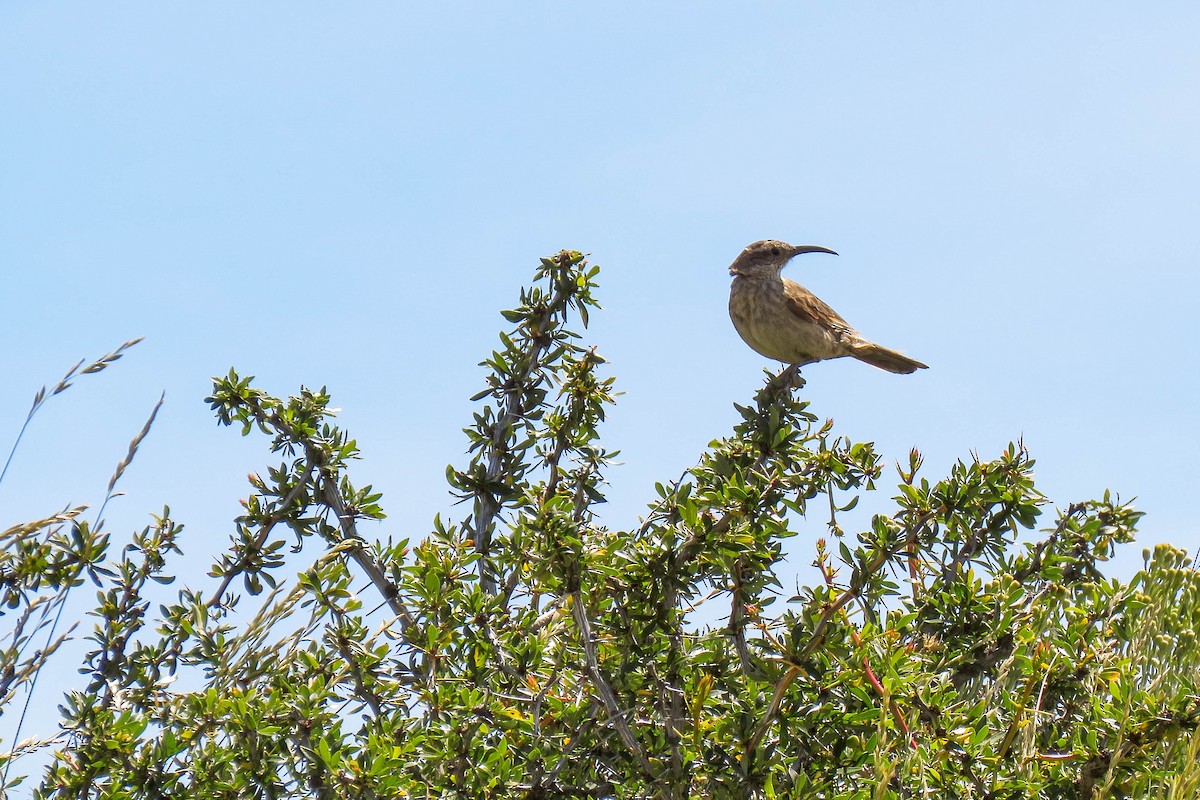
(877, 356)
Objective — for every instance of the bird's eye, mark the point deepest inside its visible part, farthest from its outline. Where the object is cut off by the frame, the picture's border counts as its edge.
(774, 251)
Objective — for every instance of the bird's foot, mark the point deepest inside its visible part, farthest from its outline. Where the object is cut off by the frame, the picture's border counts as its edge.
(789, 378)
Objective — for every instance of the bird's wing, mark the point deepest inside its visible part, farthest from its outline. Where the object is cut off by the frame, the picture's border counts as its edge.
(809, 308)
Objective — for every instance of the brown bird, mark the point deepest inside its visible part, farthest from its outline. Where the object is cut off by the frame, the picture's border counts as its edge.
(782, 320)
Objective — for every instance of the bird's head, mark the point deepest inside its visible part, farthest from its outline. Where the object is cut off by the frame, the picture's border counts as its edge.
(770, 256)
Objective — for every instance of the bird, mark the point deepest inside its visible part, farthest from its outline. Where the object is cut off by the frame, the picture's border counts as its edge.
(780, 319)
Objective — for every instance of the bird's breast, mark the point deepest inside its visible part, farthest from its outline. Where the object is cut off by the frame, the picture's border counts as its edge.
(759, 310)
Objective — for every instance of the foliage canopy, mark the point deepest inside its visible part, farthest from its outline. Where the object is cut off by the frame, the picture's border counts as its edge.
(524, 649)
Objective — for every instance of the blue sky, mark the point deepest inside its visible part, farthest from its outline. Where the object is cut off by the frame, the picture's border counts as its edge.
(346, 195)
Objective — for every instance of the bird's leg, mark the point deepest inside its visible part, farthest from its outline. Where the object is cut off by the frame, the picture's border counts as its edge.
(791, 378)
(788, 379)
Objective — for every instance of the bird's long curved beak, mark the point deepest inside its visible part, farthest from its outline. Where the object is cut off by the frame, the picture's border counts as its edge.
(811, 248)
